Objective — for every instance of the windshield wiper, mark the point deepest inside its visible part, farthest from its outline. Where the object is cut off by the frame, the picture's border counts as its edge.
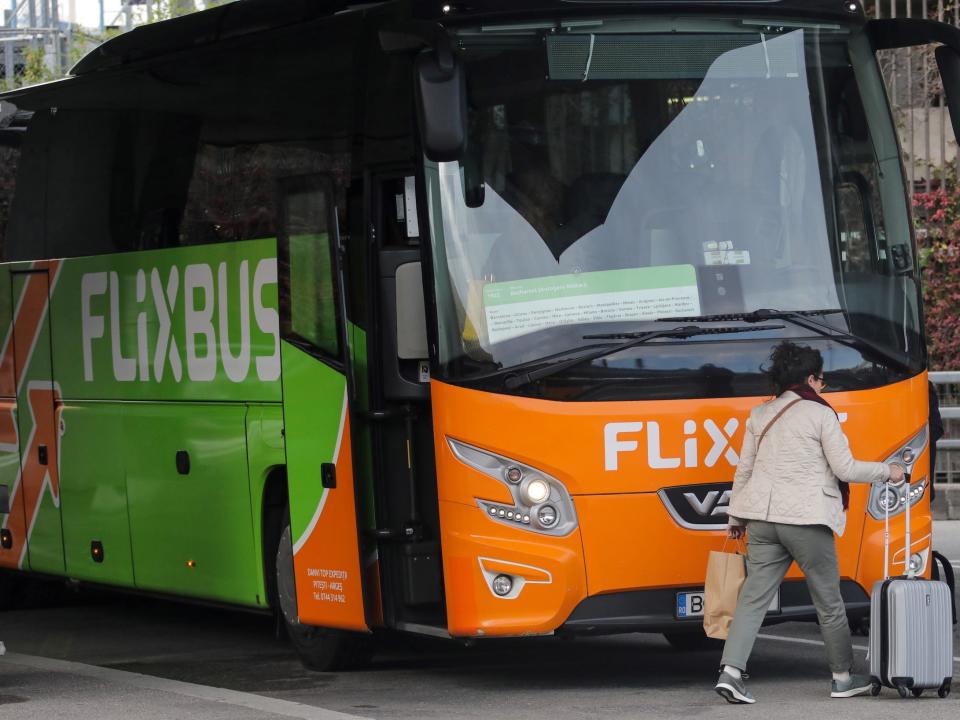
(804, 319)
(515, 379)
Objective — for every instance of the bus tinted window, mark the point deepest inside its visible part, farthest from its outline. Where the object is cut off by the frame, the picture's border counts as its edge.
(75, 186)
(232, 194)
(90, 188)
(308, 294)
(9, 160)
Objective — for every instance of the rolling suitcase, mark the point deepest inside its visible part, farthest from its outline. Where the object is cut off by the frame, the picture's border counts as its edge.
(911, 628)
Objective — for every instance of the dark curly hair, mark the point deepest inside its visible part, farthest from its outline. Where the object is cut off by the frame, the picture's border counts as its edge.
(792, 364)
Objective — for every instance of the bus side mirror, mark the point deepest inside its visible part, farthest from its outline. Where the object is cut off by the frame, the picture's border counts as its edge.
(441, 92)
(948, 60)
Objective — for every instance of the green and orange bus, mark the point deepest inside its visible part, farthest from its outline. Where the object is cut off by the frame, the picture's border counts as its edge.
(446, 317)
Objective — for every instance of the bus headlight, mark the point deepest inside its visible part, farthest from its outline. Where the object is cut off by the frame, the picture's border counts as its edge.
(547, 516)
(536, 491)
(884, 497)
(889, 499)
(541, 503)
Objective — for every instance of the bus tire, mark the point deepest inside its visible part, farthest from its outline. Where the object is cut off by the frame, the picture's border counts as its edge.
(320, 649)
(695, 640)
(11, 590)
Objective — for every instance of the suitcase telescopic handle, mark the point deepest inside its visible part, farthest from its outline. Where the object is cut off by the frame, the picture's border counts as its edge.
(906, 547)
(886, 530)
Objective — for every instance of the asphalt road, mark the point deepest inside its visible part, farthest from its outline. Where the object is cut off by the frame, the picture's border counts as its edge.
(106, 657)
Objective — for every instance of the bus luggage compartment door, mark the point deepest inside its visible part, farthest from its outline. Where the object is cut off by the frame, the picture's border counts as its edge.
(12, 518)
(38, 418)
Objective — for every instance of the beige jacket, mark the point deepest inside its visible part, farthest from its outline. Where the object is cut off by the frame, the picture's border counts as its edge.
(793, 478)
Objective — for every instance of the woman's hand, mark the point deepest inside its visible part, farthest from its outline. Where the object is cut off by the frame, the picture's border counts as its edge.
(735, 532)
(896, 474)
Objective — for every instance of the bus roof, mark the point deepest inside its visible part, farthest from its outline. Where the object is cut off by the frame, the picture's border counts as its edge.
(159, 41)
(251, 16)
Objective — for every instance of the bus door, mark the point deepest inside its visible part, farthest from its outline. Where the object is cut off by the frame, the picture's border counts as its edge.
(38, 420)
(12, 518)
(324, 528)
(401, 416)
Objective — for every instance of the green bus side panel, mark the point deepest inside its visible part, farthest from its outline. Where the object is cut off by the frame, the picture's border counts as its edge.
(313, 401)
(363, 450)
(264, 453)
(191, 323)
(94, 493)
(192, 533)
(323, 522)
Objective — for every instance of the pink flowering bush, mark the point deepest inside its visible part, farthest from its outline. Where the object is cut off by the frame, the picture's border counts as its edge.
(937, 216)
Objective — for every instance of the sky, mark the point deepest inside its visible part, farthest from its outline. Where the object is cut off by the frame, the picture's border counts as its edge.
(87, 12)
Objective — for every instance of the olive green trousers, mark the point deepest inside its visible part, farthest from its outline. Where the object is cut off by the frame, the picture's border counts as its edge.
(771, 547)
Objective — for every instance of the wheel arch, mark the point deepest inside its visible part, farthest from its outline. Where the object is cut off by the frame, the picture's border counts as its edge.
(272, 508)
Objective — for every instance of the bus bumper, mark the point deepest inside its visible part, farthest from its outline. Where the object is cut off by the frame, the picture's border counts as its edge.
(654, 610)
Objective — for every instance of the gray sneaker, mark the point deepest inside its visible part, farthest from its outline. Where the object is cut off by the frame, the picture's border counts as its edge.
(733, 690)
(856, 685)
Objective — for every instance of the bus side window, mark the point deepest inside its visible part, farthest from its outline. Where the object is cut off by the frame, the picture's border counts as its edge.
(856, 251)
(9, 160)
(23, 235)
(307, 289)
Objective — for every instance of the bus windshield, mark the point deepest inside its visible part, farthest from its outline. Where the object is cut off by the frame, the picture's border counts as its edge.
(619, 172)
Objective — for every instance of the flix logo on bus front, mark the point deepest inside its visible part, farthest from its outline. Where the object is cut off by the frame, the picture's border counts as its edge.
(622, 437)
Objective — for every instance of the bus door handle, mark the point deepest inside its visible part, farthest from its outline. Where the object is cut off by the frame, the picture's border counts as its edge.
(42, 454)
(328, 475)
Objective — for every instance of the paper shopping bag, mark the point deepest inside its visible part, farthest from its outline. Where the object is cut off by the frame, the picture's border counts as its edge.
(725, 575)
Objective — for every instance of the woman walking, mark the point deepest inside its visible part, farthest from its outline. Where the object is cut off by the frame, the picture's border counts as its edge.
(790, 495)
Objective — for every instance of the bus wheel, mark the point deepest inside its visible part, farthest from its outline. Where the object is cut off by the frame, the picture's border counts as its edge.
(695, 640)
(9, 592)
(322, 649)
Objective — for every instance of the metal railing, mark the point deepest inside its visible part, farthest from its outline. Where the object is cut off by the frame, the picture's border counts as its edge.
(948, 391)
(913, 83)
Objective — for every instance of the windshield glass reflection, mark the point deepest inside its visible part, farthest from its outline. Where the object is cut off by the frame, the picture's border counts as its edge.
(671, 190)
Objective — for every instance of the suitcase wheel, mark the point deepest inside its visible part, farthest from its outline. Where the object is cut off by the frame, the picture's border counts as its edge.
(917, 692)
(944, 689)
(902, 689)
(875, 689)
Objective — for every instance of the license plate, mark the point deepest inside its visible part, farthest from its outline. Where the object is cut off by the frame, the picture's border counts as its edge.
(690, 604)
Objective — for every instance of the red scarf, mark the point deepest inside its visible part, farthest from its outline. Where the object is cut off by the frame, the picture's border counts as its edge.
(808, 393)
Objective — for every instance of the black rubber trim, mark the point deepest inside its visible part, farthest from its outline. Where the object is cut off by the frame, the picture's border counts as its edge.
(884, 634)
(653, 610)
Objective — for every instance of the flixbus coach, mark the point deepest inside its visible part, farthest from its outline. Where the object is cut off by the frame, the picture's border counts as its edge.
(447, 317)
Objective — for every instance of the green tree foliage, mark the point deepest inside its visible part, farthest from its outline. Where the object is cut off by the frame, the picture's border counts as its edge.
(37, 70)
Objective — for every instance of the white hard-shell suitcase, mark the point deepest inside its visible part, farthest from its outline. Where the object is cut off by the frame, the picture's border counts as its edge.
(911, 628)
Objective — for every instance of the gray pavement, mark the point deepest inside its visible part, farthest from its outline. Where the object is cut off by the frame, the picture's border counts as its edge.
(35, 687)
(134, 658)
